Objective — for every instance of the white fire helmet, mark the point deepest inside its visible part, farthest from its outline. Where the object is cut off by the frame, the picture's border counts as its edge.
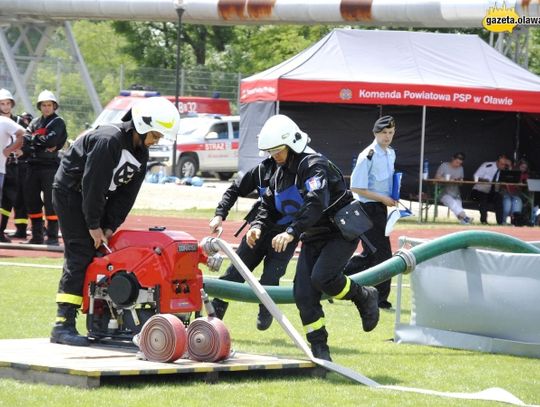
(6, 95)
(156, 114)
(280, 130)
(45, 96)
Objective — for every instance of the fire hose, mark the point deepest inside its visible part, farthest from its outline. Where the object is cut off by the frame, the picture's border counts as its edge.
(163, 338)
(404, 261)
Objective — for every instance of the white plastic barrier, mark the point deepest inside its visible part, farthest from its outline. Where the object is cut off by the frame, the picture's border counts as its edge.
(475, 299)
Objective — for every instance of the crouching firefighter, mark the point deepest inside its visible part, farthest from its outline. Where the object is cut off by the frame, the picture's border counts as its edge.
(94, 189)
(315, 186)
(275, 264)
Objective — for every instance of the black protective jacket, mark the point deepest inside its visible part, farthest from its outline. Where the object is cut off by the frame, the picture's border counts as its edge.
(44, 137)
(326, 194)
(257, 177)
(108, 170)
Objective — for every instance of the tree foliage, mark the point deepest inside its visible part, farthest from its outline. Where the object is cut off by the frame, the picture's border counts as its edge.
(244, 49)
(154, 44)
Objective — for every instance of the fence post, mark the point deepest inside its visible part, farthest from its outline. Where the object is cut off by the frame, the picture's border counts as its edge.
(121, 81)
(182, 79)
(58, 78)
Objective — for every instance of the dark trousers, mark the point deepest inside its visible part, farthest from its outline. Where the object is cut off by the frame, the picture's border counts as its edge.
(12, 196)
(378, 213)
(319, 270)
(275, 264)
(38, 179)
(9, 189)
(487, 201)
(79, 248)
(20, 204)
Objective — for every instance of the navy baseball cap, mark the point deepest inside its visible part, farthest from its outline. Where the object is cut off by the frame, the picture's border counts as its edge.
(382, 123)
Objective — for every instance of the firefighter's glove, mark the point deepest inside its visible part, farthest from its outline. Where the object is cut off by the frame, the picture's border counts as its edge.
(40, 132)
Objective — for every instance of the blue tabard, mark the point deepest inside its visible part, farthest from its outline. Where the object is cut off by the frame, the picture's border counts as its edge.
(288, 202)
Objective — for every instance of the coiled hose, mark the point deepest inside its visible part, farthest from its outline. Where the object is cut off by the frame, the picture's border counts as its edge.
(401, 262)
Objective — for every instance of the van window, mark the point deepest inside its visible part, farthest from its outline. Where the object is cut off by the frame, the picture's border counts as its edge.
(221, 129)
(236, 129)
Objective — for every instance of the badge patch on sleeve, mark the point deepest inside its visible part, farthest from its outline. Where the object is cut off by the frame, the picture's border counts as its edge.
(314, 183)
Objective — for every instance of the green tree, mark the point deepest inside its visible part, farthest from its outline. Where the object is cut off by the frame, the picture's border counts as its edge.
(534, 51)
(154, 44)
(101, 49)
(255, 48)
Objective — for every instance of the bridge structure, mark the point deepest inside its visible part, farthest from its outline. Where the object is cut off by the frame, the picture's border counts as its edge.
(26, 26)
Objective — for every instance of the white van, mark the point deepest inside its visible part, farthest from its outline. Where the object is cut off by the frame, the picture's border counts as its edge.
(205, 143)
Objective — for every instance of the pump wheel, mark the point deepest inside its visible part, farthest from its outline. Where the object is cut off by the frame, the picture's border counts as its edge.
(163, 338)
(208, 340)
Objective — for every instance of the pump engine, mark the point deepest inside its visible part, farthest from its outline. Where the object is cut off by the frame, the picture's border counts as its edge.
(141, 274)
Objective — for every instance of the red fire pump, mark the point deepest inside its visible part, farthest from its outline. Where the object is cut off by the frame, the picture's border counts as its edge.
(141, 274)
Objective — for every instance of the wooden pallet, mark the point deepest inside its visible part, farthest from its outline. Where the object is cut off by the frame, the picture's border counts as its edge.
(38, 360)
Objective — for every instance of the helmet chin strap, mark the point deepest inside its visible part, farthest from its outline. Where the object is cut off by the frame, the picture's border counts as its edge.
(143, 138)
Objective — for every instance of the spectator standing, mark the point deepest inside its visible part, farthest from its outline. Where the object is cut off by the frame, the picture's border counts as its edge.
(45, 136)
(486, 195)
(94, 189)
(372, 179)
(450, 195)
(9, 130)
(275, 263)
(21, 214)
(11, 180)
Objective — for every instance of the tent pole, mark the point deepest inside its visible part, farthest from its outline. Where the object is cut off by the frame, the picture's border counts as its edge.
(179, 13)
(517, 146)
(421, 166)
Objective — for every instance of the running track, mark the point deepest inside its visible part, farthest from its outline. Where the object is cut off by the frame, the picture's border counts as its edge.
(198, 228)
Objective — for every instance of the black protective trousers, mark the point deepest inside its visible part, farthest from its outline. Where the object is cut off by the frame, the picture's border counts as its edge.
(275, 264)
(319, 270)
(79, 248)
(13, 192)
(39, 178)
(9, 190)
(378, 214)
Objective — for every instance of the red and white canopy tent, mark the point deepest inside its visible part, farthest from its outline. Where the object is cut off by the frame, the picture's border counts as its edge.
(375, 67)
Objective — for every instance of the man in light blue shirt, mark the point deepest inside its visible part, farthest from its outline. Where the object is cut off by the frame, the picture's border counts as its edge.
(371, 181)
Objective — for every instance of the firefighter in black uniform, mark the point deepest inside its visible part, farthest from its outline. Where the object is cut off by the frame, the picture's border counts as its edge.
(45, 137)
(275, 263)
(15, 169)
(94, 190)
(316, 189)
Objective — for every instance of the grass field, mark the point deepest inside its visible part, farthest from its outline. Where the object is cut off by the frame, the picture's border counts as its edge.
(26, 301)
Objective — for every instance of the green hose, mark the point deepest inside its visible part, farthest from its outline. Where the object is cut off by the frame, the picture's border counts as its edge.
(388, 269)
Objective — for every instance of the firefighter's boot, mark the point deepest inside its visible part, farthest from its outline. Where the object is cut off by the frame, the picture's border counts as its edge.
(20, 231)
(366, 300)
(52, 233)
(220, 307)
(37, 232)
(3, 225)
(64, 330)
(319, 348)
(264, 319)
